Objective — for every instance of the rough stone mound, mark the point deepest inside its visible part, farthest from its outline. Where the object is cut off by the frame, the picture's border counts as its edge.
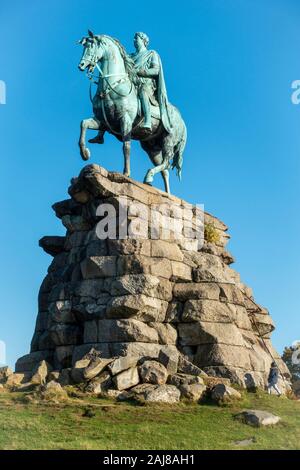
(141, 299)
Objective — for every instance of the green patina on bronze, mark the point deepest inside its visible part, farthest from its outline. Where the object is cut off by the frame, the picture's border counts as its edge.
(131, 102)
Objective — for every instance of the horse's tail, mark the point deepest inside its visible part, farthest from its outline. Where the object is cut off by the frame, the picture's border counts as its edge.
(178, 154)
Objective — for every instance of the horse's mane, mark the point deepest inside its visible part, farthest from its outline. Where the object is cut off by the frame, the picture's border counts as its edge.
(128, 61)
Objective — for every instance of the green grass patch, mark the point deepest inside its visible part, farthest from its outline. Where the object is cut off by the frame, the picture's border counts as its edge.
(211, 234)
(113, 425)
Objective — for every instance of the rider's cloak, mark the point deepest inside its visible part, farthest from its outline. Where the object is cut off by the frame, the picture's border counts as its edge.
(144, 60)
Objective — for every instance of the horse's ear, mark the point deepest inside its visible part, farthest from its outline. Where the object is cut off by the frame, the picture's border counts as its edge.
(91, 34)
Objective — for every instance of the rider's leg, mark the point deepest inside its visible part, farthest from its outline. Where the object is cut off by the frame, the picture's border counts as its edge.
(99, 139)
(165, 175)
(146, 109)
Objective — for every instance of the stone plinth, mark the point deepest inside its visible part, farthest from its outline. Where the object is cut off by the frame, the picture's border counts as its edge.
(143, 297)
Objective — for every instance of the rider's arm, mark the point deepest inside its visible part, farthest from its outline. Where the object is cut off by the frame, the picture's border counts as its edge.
(153, 71)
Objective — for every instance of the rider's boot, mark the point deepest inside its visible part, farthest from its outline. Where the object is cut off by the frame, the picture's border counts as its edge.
(98, 139)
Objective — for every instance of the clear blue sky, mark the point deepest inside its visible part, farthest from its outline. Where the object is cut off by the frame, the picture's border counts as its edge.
(228, 65)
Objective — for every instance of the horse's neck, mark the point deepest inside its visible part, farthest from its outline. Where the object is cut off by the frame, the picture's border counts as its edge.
(112, 63)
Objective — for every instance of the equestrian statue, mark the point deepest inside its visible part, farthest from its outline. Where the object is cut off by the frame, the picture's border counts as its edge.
(131, 102)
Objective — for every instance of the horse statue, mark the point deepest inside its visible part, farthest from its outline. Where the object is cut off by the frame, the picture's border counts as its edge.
(117, 109)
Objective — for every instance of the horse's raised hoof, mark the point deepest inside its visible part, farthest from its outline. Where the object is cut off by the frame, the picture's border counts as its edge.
(85, 154)
(96, 140)
(148, 178)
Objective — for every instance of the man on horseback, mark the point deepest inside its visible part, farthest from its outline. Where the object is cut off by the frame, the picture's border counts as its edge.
(116, 104)
(151, 83)
(151, 86)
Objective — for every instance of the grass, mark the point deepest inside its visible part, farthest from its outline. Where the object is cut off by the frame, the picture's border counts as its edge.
(114, 425)
(211, 234)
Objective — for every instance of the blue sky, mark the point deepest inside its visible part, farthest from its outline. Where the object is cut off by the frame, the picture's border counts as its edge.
(228, 64)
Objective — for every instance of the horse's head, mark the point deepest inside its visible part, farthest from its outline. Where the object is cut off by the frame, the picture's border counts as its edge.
(92, 52)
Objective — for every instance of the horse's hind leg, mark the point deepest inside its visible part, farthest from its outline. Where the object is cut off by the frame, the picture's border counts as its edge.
(155, 155)
(165, 175)
(90, 123)
(162, 162)
(151, 173)
(156, 158)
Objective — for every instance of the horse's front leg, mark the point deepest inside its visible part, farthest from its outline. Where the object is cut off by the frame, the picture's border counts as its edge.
(126, 153)
(126, 127)
(90, 123)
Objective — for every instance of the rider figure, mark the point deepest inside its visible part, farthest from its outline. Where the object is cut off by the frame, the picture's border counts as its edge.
(151, 81)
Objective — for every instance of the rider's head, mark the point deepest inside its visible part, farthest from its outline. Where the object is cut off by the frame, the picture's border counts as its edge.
(143, 37)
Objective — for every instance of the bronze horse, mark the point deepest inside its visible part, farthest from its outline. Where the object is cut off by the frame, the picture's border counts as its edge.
(116, 110)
